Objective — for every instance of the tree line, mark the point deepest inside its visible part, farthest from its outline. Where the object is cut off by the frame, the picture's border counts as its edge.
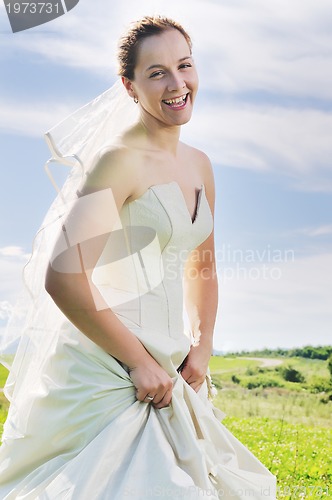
(309, 351)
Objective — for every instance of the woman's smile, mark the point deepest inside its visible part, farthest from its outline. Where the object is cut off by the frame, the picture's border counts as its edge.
(166, 80)
(177, 103)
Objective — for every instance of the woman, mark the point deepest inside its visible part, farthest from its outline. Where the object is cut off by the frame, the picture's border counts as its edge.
(119, 406)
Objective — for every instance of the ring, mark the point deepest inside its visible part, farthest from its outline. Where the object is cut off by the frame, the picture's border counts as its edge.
(150, 398)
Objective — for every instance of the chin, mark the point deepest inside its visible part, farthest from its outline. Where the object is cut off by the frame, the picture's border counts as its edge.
(184, 119)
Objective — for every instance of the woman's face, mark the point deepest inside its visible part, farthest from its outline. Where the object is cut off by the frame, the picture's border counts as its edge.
(165, 78)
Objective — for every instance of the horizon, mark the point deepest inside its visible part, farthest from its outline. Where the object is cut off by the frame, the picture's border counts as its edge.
(216, 352)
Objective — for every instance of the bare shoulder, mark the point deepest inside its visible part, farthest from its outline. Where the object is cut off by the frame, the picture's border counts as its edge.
(112, 168)
(199, 160)
(108, 167)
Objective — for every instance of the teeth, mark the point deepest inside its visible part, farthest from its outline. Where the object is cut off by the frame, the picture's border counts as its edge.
(177, 100)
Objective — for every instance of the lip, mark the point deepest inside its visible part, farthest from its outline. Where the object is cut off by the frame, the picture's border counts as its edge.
(177, 108)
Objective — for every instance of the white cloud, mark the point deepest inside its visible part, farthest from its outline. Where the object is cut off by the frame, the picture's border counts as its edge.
(13, 251)
(32, 119)
(296, 143)
(82, 38)
(5, 309)
(277, 46)
(240, 46)
(258, 309)
(316, 231)
(12, 261)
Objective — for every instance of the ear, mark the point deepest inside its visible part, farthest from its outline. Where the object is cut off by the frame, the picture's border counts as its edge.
(128, 86)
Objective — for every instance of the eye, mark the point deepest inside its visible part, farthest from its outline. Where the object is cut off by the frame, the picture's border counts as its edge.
(185, 65)
(157, 73)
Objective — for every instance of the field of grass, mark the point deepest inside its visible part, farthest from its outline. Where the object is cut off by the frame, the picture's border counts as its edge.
(3, 400)
(287, 425)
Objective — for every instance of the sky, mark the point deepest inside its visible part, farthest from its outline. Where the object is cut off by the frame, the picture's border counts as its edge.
(263, 115)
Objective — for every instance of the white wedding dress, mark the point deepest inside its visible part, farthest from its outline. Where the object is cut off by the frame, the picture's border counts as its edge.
(81, 434)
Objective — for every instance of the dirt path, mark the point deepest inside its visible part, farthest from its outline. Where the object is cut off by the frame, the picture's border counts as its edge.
(267, 362)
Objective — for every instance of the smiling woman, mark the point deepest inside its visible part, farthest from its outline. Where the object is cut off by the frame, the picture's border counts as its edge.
(169, 84)
(110, 395)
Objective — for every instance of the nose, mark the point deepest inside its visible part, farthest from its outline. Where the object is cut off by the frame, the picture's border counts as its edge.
(175, 82)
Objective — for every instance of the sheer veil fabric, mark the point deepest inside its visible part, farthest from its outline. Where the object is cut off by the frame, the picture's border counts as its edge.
(75, 142)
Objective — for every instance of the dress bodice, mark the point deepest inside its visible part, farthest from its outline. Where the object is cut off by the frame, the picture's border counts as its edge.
(140, 271)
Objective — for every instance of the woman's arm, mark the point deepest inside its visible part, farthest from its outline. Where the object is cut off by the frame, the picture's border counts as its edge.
(69, 282)
(201, 299)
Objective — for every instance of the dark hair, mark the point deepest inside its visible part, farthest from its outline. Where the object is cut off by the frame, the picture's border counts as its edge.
(138, 31)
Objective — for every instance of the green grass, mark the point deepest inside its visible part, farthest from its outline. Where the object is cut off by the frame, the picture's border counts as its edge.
(299, 455)
(288, 428)
(3, 401)
(3, 375)
(293, 407)
(220, 364)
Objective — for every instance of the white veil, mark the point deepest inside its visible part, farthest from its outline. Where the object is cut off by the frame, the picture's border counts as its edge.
(75, 142)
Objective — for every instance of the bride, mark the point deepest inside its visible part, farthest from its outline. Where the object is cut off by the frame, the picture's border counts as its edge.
(110, 395)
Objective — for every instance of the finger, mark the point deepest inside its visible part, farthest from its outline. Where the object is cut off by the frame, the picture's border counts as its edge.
(148, 398)
(190, 375)
(161, 405)
(185, 375)
(165, 401)
(190, 379)
(164, 392)
(160, 397)
(141, 396)
(196, 386)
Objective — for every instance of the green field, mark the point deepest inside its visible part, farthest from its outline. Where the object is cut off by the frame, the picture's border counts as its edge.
(286, 424)
(3, 400)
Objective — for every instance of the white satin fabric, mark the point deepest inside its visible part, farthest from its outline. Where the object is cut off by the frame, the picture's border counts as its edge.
(83, 433)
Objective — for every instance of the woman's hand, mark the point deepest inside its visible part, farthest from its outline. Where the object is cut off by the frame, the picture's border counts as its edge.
(195, 366)
(152, 381)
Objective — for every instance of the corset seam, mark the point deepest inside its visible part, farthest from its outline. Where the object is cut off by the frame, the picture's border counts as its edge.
(161, 256)
(139, 296)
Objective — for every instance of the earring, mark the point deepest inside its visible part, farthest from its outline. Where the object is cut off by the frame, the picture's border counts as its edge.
(135, 100)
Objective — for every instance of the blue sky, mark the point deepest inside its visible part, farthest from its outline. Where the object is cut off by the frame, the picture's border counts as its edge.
(263, 115)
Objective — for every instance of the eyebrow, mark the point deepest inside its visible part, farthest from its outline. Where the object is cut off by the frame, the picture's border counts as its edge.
(161, 65)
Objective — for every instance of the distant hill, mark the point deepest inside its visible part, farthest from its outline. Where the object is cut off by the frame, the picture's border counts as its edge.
(309, 351)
